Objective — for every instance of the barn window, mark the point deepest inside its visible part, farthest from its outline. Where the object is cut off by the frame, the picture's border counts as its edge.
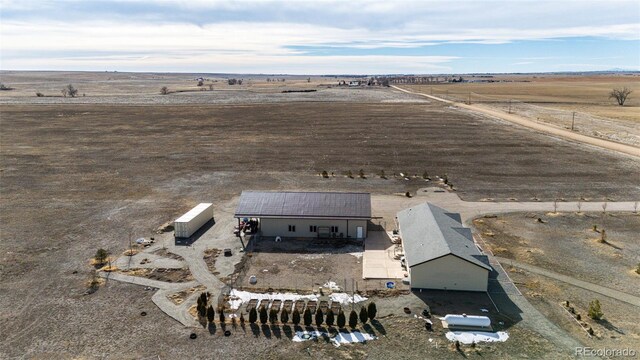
(292, 228)
(334, 229)
(313, 228)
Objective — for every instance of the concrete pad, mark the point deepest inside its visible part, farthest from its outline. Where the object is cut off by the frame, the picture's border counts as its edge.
(377, 260)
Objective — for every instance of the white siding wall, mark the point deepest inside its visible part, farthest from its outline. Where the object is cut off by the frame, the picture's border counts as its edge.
(280, 227)
(449, 273)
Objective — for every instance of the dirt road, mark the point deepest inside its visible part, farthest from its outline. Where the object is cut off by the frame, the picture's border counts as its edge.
(516, 119)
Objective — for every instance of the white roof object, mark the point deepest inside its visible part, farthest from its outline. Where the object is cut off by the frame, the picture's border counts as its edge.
(194, 212)
(467, 321)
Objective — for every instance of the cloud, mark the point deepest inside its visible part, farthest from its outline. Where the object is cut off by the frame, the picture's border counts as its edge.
(40, 34)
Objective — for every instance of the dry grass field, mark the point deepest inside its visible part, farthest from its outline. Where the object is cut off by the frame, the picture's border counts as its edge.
(565, 243)
(76, 177)
(553, 99)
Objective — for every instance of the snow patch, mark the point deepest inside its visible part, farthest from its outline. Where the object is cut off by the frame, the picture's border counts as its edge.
(239, 297)
(339, 339)
(357, 254)
(468, 337)
(331, 285)
(344, 298)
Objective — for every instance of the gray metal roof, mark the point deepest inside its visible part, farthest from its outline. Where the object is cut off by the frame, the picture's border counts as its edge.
(304, 204)
(429, 232)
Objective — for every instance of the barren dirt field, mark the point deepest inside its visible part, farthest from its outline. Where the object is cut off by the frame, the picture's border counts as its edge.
(77, 177)
(565, 243)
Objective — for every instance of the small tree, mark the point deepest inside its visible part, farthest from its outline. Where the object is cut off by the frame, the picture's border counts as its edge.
(221, 316)
(253, 315)
(372, 311)
(620, 95)
(295, 318)
(331, 317)
(425, 175)
(364, 316)
(349, 174)
(101, 256)
(595, 311)
(353, 319)
(273, 316)
(39, 94)
(200, 82)
(361, 174)
(211, 314)
(72, 91)
(164, 90)
(319, 318)
(284, 317)
(202, 309)
(64, 92)
(638, 268)
(325, 174)
(307, 317)
(342, 321)
(383, 175)
(263, 315)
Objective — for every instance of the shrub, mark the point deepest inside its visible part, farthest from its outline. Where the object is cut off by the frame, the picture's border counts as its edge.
(263, 315)
(319, 318)
(39, 94)
(295, 318)
(407, 194)
(341, 320)
(330, 318)
(364, 317)
(383, 175)
(253, 316)
(273, 316)
(284, 317)
(361, 174)
(101, 256)
(372, 311)
(353, 319)
(350, 174)
(307, 317)
(638, 269)
(595, 311)
(425, 175)
(325, 174)
(164, 90)
(211, 314)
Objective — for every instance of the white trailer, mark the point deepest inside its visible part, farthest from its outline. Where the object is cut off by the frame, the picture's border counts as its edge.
(193, 220)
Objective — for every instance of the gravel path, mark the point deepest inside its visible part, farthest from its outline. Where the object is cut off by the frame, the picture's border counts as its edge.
(610, 145)
(615, 294)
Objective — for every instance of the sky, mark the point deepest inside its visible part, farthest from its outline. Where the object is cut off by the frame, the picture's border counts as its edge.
(320, 37)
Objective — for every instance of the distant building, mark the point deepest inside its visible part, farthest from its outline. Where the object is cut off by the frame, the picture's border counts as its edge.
(440, 252)
(354, 83)
(307, 214)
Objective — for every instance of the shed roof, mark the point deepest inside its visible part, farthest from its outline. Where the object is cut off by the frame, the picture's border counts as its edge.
(263, 204)
(430, 232)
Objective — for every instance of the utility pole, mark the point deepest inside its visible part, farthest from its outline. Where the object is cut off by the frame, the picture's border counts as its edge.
(573, 120)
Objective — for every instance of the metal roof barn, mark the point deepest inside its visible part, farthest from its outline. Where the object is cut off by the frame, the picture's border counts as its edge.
(193, 220)
(319, 205)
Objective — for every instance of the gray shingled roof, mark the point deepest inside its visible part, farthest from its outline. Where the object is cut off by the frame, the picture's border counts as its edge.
(429, 232)
(304, 204)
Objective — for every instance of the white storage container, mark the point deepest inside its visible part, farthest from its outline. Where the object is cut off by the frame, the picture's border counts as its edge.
(467, 321)
(193, 220)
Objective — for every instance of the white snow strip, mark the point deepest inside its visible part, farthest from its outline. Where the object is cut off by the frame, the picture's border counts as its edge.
(239, 297)
(468, 337)
(357, 254)
(344, 298)
(340, 338)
